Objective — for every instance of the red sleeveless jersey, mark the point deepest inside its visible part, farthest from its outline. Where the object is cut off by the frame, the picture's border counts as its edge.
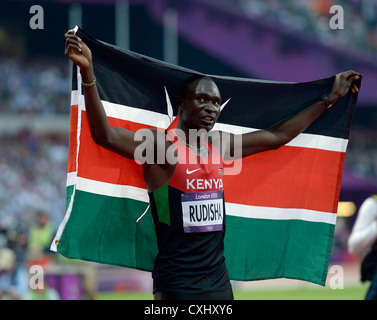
(189, 217)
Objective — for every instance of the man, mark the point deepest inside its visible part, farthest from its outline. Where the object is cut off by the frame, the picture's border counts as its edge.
(39, 239)
(362, 242)
(186, 194)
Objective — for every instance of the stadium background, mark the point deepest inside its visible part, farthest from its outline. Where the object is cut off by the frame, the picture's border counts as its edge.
(276, 40)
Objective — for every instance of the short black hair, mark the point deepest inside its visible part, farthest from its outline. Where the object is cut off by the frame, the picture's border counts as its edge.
(190, 80)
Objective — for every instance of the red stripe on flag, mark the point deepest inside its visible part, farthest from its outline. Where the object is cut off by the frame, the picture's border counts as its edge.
(290, 177)
(72, 147)
(100, 164)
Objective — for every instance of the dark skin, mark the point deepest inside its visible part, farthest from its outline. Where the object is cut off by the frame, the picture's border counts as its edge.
(199, 109)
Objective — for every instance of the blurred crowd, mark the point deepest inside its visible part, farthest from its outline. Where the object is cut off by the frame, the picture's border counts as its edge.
(32, 175)
(361, 155)
(34, 86)
(360, 19)
(20, 249)
(32, 204)
(32, 201)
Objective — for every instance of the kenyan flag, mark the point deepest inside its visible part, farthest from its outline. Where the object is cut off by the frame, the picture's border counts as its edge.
(281, 207)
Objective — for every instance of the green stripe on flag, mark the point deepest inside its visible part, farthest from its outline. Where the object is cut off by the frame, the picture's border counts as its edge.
(258, 249)
(273, 251)
(69, 192)
(104, 229)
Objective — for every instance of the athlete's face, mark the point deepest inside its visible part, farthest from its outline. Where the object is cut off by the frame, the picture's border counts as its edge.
(200, 108)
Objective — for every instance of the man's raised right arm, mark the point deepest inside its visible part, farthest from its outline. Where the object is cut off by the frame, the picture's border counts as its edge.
(115, 139)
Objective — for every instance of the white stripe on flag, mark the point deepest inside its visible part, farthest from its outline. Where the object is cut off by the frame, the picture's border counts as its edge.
(319, 142)
(137, 115)
(112, 190)
(304, 140)
(269, 213)
(155, 119)
(71, 178)
(76, 99)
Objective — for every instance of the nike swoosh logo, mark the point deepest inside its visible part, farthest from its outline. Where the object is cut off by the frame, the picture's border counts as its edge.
(191, 171)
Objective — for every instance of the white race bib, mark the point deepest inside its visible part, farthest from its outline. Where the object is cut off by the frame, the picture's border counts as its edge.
(202, 211)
